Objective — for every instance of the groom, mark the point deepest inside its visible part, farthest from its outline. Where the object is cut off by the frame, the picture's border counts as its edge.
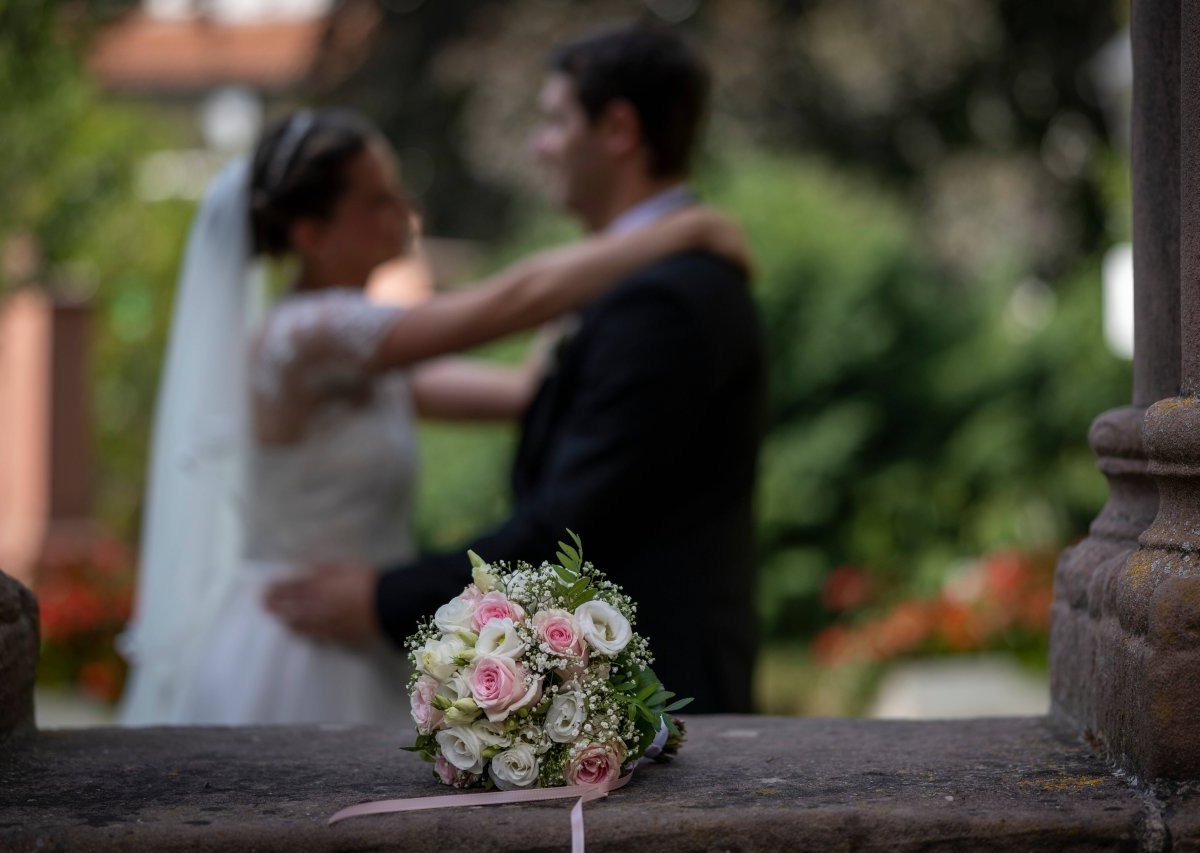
(643, 437)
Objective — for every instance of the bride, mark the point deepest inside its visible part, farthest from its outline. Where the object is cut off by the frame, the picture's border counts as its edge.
(288, 440)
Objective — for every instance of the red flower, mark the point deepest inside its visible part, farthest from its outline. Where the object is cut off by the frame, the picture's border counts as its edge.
(846, 588)
(101, 679)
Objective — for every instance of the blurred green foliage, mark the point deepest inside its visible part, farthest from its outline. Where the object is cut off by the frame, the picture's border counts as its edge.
(68, 173)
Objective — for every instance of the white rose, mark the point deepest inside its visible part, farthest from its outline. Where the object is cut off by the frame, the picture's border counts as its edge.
(436, 657)
(491, 734)
(604, 628)
(566, 716)
(462, 748)
(516, 767)
(499, 638)
(455, 615)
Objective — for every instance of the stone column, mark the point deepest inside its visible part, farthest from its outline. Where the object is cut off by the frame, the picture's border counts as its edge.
(1142, 703)
(18, 657)
(1150, 720)
(1086, 688)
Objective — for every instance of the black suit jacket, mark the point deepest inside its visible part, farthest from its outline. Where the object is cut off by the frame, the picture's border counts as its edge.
(644, 441)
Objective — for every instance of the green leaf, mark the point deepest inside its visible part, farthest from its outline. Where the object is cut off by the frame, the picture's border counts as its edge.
(682, 703)
(575, 538)
(658, 698)
(571, 553)
(647, 691)
(648, 731)
(646, 676)
(587, 595)
(565, 575)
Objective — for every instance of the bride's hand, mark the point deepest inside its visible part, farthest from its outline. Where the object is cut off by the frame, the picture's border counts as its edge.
(333, 603)
(714, 232)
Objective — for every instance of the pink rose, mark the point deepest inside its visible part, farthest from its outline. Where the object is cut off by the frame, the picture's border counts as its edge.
(495, 606)
(560, 632)
(472, 594)
(498, 686)
(451, 775)
(424, 714)
(596, 764)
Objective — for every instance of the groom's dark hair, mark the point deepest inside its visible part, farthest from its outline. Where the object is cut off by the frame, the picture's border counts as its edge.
(653, 69)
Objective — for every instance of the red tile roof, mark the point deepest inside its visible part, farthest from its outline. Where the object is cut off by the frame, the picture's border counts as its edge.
(144, 54)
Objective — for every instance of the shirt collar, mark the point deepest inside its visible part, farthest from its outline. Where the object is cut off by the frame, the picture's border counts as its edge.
(652, 209)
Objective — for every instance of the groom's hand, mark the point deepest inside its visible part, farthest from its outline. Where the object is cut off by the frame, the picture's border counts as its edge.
(335, 603)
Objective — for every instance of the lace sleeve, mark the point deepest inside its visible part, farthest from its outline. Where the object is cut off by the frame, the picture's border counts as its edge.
(319, 344)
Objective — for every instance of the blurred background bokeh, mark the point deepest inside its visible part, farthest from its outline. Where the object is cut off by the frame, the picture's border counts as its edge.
(936, 192)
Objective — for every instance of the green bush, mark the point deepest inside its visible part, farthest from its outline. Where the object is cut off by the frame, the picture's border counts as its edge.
(68, 171)
(916, 420)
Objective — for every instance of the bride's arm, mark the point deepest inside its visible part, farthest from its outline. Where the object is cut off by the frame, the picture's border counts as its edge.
(547, 285)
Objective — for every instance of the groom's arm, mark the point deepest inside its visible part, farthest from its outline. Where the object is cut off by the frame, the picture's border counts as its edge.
(642, 374)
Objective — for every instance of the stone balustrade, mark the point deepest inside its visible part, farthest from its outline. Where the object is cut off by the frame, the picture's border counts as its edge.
(741, 783)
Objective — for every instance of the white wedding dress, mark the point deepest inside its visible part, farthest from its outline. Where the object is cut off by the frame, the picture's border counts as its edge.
(341, 493)
(226, 514)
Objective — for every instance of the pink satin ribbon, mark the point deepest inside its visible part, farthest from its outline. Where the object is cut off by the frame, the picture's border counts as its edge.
(585, 793)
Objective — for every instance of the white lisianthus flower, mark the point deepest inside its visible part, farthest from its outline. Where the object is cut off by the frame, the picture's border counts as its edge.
(456, 687)
(516, 767)
(567, 714)
(491, 734)
(604, 627)
(436, 657)
(484, 578)
(462, 711)
(499, 638)
(462, 748)
(455, 615)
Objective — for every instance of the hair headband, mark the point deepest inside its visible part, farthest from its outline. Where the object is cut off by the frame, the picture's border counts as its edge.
(297, 129)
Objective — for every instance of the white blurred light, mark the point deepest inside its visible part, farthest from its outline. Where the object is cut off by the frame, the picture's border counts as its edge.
(1030, 308)
(1117, 274)
(238, 11)
(230, 119)
(170, 9)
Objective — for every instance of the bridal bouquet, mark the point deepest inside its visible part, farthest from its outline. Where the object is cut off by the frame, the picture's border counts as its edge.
(534, 676)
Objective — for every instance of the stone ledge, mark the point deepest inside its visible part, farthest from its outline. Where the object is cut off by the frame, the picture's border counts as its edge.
(742, 783)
